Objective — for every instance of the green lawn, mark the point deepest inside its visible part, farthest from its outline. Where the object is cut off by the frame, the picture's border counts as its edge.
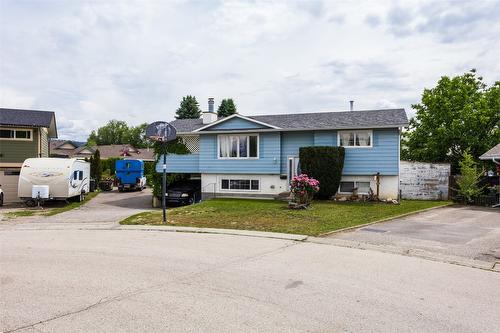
(270, 215)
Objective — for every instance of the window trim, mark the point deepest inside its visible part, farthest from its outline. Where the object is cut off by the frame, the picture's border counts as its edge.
(355, 185)
(355, 130)
(238, 190)
(30, 130)
(248, 135)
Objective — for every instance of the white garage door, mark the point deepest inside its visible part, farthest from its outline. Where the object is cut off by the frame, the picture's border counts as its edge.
(8, 180)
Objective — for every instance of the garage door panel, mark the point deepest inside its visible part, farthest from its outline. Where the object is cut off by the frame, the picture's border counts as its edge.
(9, 180)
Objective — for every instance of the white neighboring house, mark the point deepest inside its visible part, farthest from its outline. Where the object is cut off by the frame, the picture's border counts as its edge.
(62, 178)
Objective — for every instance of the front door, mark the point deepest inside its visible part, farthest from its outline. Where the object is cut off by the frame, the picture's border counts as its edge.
(292, 168)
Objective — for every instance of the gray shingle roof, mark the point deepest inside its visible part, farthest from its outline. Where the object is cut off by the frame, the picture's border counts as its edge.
(29, 118)
(492, 153)
(318, 120)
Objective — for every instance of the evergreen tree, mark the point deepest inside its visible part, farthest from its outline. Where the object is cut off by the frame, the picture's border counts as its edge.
(95, 166)
(188, 109)
(226, 108)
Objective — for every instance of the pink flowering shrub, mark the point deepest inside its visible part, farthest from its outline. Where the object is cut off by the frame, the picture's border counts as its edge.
(303, 189)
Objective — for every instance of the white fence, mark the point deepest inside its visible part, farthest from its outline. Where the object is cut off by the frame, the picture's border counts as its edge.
(424, 181)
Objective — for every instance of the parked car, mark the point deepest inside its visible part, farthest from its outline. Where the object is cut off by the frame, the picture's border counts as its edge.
(184, 192)
(1, 196)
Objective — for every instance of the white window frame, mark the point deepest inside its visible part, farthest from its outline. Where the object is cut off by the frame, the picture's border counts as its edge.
(248, 147)
(355, 131)
(17, 129)
(238, 178)
(355, 185)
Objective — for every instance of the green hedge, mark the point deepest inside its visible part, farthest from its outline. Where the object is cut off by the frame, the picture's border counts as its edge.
(325, 164)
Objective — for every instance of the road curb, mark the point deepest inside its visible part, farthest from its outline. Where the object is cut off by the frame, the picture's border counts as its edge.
(384, 220)
(232, 232)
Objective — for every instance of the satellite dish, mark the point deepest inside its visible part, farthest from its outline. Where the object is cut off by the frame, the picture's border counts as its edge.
(161, 131)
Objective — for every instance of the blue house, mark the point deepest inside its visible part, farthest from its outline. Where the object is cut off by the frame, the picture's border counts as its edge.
(256, 156)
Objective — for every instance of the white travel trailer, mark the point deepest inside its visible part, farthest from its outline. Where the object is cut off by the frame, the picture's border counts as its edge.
(53, 179)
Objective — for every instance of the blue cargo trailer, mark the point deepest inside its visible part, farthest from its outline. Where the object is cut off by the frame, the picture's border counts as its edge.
(130, 175)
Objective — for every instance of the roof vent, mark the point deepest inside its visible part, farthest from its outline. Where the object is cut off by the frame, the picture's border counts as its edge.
(351, 105)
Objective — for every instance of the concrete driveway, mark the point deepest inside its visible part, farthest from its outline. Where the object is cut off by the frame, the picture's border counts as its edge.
(457, 231)
(105, 209)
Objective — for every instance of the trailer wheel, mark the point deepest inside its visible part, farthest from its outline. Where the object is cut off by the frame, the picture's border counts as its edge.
(1, 199)
(30, 203)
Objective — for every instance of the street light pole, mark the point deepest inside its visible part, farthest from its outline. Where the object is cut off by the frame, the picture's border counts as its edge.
(164, 185)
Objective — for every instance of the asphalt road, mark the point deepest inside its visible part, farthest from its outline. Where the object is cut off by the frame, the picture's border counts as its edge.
(73, 280)
(460, 231)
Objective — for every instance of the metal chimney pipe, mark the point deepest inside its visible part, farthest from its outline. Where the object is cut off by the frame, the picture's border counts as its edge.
(210, 104)
(351, 105)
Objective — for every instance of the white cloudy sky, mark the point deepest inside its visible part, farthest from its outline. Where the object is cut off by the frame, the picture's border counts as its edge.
(91, 61)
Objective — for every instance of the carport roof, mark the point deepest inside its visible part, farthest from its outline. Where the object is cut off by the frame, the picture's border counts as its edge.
(29, 118)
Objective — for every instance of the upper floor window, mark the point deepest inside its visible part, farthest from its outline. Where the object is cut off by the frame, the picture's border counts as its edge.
(356, 138)
(15, 134)
(238, 146)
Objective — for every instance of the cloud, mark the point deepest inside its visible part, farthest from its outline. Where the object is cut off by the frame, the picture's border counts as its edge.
(373, 20)
(448, 21)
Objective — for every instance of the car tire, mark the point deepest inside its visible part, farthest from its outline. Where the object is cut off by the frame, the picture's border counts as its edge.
(1, 199)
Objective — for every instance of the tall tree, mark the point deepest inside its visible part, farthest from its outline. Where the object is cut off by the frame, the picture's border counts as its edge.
(459, 114)
(117, 132)
(136, 136)
(96, 166)
(188, 109)
(114, 132)
(226, 108)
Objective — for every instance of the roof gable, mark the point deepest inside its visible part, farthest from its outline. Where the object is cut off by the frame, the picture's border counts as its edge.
(236, 122)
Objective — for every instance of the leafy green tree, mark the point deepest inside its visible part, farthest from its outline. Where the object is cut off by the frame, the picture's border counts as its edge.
(96, 166)
(114, 132)
(226, 108)
(188, 109)
(469, 177)
(459, 114)
(117, 132)
(136, 136)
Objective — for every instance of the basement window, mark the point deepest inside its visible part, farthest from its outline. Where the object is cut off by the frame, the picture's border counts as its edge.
(240, 184)
(347, 187)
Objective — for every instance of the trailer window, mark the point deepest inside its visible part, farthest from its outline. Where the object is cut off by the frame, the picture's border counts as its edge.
(75, 175)
(80, 175)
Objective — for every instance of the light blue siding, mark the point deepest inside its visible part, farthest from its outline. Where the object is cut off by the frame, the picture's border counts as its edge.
(290, 144)
(275, 147)
(267, 163)
(235, 124)
(188, 163)
(325, 138)
(383, 157)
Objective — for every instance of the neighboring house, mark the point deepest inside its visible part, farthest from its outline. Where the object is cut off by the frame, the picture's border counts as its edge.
(23, 134)
(67, 148)
(493, 155)
(256, 156)
(126, 151)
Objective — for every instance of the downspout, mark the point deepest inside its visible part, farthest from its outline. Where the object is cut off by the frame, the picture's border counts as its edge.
(39, 142)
